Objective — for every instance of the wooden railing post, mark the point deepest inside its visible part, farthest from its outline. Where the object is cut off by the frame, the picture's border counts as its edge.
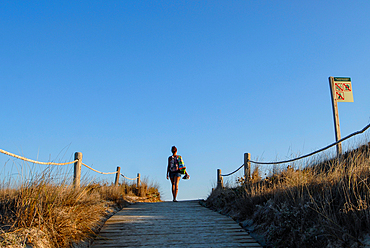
(219, 179)
(117, 176)
(247, 167)
(77, 170)
(138, 180)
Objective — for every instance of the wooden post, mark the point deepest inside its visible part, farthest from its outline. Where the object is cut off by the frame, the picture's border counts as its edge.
(117, 176)
(247, 167)
(335, 115)
(219, 179)
(138, 180)
(77, 170)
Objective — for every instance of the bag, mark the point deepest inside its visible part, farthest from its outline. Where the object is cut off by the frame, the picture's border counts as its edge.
(177, 165)
(182, 167)
(187, 176)
(174, 164)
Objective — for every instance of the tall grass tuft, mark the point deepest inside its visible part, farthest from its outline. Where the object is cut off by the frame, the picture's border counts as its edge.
(325, 204)
(42, 213)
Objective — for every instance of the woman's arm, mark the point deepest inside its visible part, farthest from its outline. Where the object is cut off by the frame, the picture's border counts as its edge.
(168, 168)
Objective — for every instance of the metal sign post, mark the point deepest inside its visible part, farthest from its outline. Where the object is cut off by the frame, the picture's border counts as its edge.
(341, 91)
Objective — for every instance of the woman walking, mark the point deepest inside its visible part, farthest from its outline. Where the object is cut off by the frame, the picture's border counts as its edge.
(175, 163)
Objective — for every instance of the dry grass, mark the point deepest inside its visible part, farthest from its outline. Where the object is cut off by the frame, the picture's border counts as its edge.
(324, 205)
(41, 213)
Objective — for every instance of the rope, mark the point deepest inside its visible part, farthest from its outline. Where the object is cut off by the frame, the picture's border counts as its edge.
(305, 156)
(312, 153)
(129, 178)
(233, 171)
(33, 161)
(104, 173)
(52, 163)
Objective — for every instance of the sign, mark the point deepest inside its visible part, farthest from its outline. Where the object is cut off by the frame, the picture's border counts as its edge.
(343, 89)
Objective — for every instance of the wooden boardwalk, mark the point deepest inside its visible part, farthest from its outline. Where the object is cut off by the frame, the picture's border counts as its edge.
(171, 224)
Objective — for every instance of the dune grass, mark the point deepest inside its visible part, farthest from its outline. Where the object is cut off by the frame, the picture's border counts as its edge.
(42, 213)
(325, 204)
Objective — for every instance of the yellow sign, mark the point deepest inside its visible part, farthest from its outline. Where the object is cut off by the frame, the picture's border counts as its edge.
(343, 89)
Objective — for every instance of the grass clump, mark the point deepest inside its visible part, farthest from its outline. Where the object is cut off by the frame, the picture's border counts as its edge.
(326, 204)
(41, 213)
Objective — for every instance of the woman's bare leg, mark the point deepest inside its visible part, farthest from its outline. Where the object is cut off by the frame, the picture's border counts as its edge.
(175, 187)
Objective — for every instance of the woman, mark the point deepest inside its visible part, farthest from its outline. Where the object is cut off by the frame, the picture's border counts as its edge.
(173, 171)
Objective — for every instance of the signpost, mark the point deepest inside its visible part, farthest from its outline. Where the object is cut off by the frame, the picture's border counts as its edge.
(341, 91)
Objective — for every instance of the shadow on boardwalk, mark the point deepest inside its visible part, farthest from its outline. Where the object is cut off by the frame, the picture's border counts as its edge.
(171, 224)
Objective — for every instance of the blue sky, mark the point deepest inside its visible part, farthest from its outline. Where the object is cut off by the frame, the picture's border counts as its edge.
(123, 81)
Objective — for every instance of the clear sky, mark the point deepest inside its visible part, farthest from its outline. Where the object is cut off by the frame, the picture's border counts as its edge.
(123, 81)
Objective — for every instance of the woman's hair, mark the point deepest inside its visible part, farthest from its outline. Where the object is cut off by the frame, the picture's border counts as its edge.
(173, 149)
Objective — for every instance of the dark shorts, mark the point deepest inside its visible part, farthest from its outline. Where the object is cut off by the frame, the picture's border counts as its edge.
(175, 174)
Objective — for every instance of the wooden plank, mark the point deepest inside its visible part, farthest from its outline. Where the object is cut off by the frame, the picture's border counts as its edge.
(171, 224)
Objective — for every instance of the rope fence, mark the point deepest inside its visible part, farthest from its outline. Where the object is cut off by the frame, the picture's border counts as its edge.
(104, 173)
(129, 178)
(77, 167)
(248, 161)
(226, 175)
(136, 178)
(315, 152)
(34, 161)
